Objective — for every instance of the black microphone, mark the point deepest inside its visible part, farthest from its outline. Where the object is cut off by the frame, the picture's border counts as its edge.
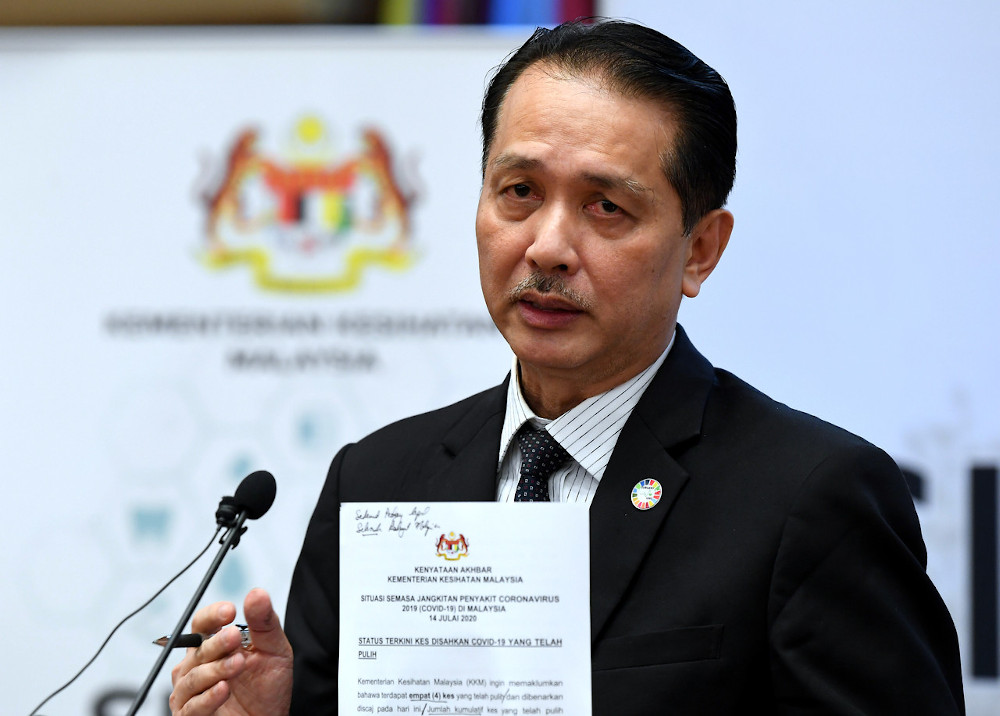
(253, 497)
(256, 494)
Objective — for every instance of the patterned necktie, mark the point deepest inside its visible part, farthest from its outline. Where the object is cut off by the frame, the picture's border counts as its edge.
(541, 455)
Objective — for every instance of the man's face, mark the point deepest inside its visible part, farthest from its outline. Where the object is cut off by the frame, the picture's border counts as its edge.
(576, 210)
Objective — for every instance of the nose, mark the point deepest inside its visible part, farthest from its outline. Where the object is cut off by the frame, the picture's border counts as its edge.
(553, 247)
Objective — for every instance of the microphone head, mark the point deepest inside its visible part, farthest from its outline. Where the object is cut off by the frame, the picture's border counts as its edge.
(255, 493)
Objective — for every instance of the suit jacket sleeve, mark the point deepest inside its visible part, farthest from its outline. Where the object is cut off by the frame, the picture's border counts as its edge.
(312, 616)
(855, 625)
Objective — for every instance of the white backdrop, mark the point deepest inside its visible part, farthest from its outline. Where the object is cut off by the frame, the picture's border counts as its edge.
(859, 285)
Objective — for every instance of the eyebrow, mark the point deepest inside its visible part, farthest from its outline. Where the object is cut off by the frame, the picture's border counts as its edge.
(626, 184)
(514, 161)
(605, 181)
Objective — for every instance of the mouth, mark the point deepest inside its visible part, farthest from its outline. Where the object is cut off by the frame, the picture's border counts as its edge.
(548, 302)
(547, 312)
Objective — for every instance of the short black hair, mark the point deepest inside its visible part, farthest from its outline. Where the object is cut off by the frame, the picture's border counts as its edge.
(640, 62)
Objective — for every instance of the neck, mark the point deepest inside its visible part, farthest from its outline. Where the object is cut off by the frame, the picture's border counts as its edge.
(551, 392)
(550, 403)
(550, 396)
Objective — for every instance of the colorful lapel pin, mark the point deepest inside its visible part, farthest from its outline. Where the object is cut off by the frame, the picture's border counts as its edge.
(646, 493)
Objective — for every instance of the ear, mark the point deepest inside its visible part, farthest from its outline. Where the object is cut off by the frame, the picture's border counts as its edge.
(707, 241)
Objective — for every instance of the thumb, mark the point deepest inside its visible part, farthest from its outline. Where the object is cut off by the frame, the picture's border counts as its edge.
(265, 626)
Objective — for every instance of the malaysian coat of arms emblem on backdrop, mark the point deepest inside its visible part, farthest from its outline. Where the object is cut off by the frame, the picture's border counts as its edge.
(309, 219)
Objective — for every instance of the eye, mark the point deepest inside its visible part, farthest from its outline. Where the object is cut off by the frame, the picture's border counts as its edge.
(604, 207)
(521, 192)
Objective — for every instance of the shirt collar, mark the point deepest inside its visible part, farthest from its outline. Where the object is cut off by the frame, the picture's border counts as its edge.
(589, 431)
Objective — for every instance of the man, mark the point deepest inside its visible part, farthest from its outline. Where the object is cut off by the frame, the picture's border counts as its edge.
(781, 571)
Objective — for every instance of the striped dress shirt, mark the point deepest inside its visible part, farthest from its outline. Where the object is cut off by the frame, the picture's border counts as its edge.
(588, 432)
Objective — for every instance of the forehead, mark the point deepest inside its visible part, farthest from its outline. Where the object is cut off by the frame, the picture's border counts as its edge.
(552, 116)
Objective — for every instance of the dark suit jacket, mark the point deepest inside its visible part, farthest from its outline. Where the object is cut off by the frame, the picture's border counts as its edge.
(783, 570)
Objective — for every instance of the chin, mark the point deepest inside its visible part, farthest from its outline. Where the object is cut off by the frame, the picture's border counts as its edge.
(540, 347)
(546, 357)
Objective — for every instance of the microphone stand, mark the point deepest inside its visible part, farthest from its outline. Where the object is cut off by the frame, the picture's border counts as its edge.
(226, 516)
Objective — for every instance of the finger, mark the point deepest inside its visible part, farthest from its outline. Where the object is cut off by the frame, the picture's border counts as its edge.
(264, 623)
(260, 614)
(204, 704)
(205, 687)
(210, 619)
(220, 647)
(223, 644)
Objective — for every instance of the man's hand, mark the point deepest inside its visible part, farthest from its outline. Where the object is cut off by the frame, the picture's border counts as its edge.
(220, 677)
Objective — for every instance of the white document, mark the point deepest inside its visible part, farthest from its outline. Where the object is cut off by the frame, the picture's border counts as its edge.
(464, 608)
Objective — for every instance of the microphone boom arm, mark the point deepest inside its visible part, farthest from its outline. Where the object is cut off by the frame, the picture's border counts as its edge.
(228, 541)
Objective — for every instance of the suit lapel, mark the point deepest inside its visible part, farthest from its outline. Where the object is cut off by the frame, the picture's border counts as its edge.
(667, 418)
(463, 466)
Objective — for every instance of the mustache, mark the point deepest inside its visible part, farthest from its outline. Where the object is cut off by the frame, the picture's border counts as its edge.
(548, 283)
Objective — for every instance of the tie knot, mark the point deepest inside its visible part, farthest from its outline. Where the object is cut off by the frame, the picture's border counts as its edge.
(540, 448)
(541, 455)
